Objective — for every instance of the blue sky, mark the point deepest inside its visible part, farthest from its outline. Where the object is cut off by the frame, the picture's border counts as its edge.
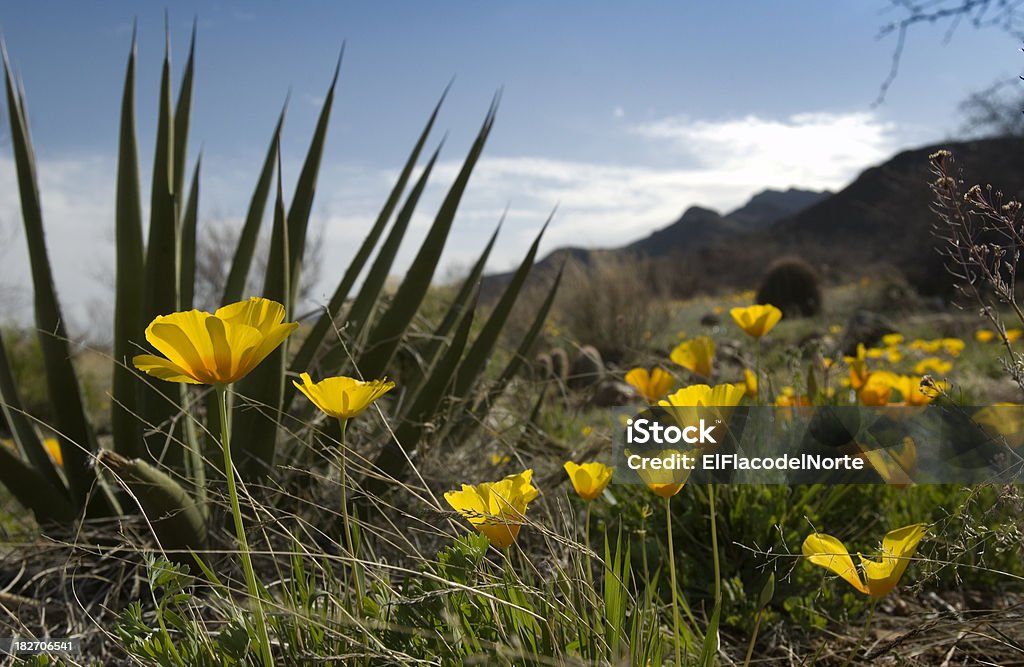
(622, 114)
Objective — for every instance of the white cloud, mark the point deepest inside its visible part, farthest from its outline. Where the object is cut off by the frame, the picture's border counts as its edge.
(719, 164)
(819, 150)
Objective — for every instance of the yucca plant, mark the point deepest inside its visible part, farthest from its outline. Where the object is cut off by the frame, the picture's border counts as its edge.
(157, 442)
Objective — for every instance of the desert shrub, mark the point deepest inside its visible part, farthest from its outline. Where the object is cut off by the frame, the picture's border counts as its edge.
(613, 303)
(791, 285)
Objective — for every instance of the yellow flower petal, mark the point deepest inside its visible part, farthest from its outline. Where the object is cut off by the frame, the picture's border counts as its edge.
(162, 369)
(828, 552)
(898, 546)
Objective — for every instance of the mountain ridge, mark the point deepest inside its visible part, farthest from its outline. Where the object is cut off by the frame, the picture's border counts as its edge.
(881, 219)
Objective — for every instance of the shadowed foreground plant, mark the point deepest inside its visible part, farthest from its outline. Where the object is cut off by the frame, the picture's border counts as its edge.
(219, 349)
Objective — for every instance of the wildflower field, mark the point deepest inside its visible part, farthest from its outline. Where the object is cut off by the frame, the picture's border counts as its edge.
(416, 475)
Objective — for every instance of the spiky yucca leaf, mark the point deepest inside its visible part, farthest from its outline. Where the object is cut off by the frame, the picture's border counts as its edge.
(483, 347)
(386, 336)
(475, 417)
(128, 288)
(361, 310)
(424, 406)
(77, 438)
(24, 434)
(49, 504)
(436, 344)
(238, 275)
(258, 422)
(305, 189)
(304, 357)
(161, 401)
(189, 222)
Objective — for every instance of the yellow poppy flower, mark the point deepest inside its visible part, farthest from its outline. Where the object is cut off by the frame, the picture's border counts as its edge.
(52, 447)
(750, 383)
(722, 395)
(496, 509)
(835, 328)
(696, 355)
(984, 336)
(664, 482)
(500, 459)
(665, 490)
(858, 368)
(892, 339)
(343, 397)
(1013, 334)
(881, 575)
(589, 479)
(651, 386)
(952, 346)
(940, 366)
(926, 346)
(218, 348)
(792, 401)
(756, 320)
(878, 389)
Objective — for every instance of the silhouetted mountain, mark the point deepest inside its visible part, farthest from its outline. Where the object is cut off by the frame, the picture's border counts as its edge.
(696, 224)
(767, 207)
(882, 219)
(700, 224)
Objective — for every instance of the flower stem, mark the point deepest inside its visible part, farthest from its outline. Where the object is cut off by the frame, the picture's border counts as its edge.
(592, 593)
(753, 637)
(672, 572)
(757, 373)
(243, 544)
(349, 542)
(714, 544)
(863, 633)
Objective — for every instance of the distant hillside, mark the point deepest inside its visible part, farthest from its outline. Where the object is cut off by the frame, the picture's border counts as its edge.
(696, 225)
(699, 224)
(882, 219)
